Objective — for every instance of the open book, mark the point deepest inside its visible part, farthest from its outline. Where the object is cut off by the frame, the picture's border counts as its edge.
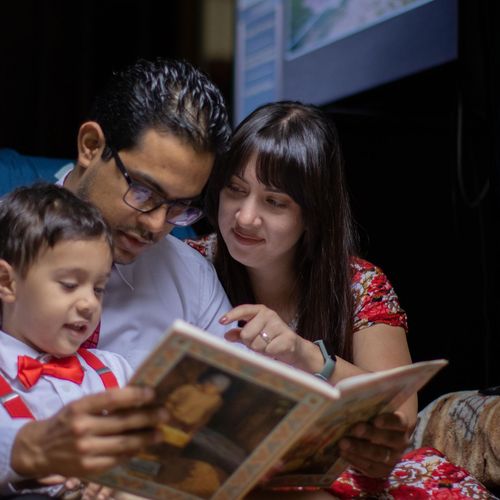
(235, 414)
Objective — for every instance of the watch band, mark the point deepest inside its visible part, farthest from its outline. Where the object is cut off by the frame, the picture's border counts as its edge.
(330, 362)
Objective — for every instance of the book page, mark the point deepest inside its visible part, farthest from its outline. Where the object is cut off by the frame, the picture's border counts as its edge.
(314, 458)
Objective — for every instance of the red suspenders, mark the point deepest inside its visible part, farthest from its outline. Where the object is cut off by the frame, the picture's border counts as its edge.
(107, 377)
(12, 402)
(17, 408)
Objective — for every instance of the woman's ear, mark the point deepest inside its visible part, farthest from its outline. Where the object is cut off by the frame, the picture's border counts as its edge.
(7, 282)
(91, 142)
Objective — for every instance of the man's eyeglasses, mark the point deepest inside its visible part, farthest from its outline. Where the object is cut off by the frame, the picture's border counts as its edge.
(144, 199)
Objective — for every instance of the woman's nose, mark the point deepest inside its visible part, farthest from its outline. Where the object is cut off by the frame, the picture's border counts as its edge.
(248, 214)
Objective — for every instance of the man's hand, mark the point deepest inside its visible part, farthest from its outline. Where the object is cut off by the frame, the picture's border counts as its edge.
(375, 448)
(89, 435)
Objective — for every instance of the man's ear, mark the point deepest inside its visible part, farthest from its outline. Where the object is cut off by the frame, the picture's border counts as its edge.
(91, 142)
(7, 282)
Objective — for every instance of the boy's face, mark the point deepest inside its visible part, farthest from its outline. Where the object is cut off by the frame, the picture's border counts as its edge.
(58, 304)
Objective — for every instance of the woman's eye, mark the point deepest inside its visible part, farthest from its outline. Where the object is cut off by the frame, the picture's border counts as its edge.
(276, 203)
(99, 291)
(234, 188)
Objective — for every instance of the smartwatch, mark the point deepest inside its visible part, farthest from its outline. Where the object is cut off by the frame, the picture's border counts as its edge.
(330, 362)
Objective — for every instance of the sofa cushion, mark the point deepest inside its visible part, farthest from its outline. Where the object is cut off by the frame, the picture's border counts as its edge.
(465, 426)
(20, 170)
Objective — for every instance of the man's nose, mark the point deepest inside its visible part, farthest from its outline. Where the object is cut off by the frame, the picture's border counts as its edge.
(156, 220)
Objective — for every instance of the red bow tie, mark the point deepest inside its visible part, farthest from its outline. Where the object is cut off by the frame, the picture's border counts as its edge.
(29, 370)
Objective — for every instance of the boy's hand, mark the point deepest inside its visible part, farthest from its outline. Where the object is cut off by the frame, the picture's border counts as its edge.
(89, 435)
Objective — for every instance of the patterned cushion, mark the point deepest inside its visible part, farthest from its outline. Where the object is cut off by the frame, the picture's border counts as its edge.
(465, 426)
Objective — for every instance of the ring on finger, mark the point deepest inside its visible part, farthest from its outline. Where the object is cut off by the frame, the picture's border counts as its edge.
(387, 456)
(265, 337)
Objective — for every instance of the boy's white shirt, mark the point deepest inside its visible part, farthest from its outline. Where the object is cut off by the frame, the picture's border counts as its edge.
(48, 395)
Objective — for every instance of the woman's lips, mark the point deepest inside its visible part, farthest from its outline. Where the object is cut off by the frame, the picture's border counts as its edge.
(246, 239)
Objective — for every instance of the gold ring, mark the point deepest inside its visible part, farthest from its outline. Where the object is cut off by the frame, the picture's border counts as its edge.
(265, 337)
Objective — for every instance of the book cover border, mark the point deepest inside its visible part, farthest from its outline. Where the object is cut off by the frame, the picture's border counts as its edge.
(307, 404)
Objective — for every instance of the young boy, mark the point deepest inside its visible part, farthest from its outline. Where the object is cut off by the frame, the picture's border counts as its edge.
(55, 259)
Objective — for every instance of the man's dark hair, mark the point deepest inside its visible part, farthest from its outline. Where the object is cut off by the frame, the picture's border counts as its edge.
(38, 217)
(168, 96)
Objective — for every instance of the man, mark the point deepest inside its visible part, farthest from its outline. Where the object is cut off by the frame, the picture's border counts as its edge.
(144, 158)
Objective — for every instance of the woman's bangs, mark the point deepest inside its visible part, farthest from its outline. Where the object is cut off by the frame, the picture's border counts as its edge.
(276, 166)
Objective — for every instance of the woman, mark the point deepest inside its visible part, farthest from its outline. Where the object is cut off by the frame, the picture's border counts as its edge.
(286, 255)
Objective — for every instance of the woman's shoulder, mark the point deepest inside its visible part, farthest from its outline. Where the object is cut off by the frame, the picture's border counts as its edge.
(375, 299)
(360, 266)
(365, 273)
(205, 245)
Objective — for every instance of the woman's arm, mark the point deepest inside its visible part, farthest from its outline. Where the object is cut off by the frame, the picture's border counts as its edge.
(373, 448)
(380, 347)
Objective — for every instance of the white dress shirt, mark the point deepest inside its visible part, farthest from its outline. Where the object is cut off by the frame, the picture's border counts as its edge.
(48, 395)
(168, 281)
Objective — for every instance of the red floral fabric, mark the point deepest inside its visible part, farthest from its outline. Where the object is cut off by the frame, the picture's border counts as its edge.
(420, 474)
(375, 300)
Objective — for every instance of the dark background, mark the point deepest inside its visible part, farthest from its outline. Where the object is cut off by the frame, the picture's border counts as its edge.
(56, 56)
(422, 153)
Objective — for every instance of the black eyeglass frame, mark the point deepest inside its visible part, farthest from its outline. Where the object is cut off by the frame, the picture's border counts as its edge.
(185, 204)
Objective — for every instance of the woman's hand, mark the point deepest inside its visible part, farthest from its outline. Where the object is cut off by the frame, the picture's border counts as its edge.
(265, 332)
(375, 448)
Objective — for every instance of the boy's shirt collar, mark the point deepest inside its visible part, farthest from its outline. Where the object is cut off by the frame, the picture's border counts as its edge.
(11, 348)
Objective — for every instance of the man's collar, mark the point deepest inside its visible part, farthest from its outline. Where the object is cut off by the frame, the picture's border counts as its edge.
(126, 273)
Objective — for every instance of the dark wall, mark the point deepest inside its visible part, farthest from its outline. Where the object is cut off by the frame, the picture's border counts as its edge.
(422, 158)
(55, 56)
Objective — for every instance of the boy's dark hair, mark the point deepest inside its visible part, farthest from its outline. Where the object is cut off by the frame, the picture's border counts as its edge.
(168, 96)
(40, 216)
